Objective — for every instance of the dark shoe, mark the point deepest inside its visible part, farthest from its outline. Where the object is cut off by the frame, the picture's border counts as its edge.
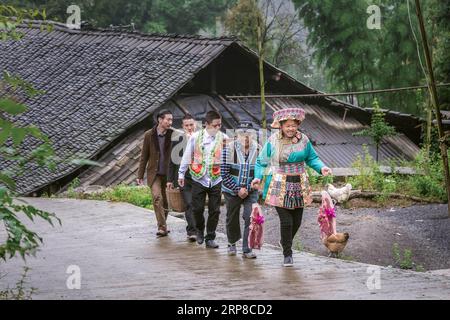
(192, 238)
(232, 250)
(288, 262)
(211, 244)
(161, 233)
(249, 255)
(200, 239)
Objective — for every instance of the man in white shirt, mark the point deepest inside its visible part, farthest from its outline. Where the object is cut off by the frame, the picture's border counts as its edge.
(202, 158)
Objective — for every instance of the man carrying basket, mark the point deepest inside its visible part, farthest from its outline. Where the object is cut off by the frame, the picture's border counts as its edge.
(178, 149)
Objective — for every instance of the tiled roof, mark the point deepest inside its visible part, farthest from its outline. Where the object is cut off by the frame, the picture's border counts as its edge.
(98, 84)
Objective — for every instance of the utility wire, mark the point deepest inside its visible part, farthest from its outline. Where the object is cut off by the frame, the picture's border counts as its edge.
(337, 94)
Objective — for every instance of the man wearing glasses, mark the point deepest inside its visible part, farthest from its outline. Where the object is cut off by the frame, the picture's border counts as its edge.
(238, 170)
(202, 158)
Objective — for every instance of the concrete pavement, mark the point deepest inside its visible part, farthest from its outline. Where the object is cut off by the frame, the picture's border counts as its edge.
(114, 247)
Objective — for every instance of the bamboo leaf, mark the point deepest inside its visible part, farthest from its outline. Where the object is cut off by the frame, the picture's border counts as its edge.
(5, 131)
(18, 134)
(12, 107)
(8, 181)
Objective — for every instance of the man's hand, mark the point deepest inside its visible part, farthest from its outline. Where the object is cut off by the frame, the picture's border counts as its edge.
(140, 182)
(326, 171)
(181, 182)
(255, 184)
(243, 193)
(169, 185)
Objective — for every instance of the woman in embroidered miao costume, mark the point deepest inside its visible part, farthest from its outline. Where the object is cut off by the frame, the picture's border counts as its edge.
(286, 185)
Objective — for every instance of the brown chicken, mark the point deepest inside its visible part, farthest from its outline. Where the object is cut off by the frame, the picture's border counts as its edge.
(336, 243)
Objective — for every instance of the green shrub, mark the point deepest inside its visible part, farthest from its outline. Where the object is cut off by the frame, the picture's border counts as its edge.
(75, 183)
(405, 260)
(137, 195)
(19, 292)
(369, 176)
(318, 181)
(428, 182)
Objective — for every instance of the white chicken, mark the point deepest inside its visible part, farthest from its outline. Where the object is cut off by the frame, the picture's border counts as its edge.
(339, 194)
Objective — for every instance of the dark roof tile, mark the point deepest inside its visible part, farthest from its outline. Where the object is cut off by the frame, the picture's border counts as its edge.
(97, 84)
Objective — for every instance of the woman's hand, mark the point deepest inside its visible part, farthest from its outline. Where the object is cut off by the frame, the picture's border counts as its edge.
(255, 184)
(297, 137)
(326, 171)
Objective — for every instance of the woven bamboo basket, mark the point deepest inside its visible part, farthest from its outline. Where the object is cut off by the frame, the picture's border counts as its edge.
(175, 200)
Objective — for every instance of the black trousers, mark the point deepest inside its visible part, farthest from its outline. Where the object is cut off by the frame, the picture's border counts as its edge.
(199, 193)
(234, 204)
(186, 192)
(290, 221)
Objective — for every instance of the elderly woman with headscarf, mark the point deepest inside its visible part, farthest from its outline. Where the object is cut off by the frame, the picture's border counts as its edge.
(285, 156)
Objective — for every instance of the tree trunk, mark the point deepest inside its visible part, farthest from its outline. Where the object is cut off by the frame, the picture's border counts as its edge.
(377, 149)
(363, 83)
(435, 101)
(429, 126)
(261, 76)
(371, 86)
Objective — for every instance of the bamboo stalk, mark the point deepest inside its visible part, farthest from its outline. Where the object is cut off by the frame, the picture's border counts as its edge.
(261, 75)
(435, 101)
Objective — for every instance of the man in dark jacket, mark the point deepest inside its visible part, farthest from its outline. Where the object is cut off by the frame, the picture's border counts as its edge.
(178, 146)
(155, 156)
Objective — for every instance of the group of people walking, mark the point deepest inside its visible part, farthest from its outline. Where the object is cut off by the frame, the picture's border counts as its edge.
(206, 162)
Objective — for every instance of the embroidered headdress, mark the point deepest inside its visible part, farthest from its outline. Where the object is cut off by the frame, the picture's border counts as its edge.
(287, 114)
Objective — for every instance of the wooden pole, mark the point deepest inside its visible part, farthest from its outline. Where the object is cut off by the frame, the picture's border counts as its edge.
(429, 125)
(435, 102)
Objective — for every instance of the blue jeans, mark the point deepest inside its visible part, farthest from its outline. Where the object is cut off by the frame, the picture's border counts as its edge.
(233, 204)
